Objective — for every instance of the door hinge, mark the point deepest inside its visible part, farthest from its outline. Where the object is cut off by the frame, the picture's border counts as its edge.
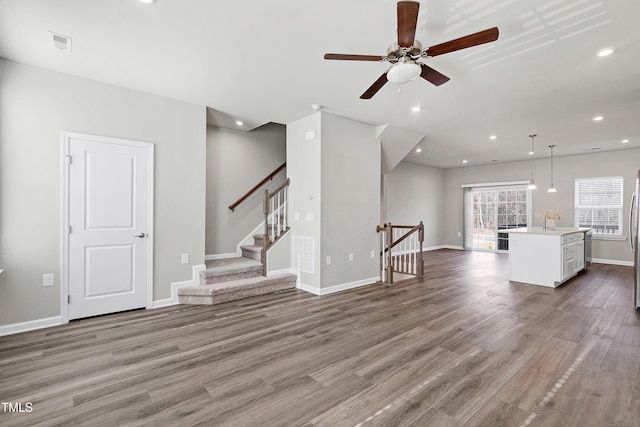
(69, 159)
(69, 229)
(68, 299)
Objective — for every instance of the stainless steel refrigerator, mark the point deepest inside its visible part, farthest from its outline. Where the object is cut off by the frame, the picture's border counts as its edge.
(634, 217)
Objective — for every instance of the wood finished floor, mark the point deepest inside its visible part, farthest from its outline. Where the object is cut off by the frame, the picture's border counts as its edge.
(463, 347)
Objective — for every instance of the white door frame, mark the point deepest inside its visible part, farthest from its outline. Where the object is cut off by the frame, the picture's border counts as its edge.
(64, 280)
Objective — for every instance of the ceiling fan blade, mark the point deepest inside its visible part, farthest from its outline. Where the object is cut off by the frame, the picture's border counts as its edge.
(433, 76)
(407, 22)
(474, 39)
(375, 87)
(347, 57)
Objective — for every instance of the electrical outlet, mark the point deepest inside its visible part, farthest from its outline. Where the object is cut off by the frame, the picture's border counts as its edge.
(48, 280)
(373, 254)
(350, 257)
(185, 258)
(328, 260)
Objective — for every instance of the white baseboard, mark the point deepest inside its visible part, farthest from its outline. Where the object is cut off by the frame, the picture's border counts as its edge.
(176, 286)
(435, 248)
(613, 262)
(31, 325)
(222, 256)
(338, 288)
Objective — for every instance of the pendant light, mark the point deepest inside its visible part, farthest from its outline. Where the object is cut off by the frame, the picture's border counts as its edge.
(532, 185)
(551, 189)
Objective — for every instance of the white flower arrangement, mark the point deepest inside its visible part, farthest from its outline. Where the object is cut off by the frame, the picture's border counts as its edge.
(550, 216)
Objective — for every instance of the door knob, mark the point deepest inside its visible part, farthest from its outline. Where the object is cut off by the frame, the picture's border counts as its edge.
(140, 235)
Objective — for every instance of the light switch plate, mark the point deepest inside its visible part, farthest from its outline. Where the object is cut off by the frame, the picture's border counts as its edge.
(185, 258)
(48, 280)
(328, 260)
(309, 216)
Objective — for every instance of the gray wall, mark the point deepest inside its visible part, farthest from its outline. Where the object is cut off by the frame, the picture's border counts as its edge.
(350, 200)
(303, 167)
(415, 193)
(334, 166)
(236, 161)
(624, 163)
(36, 105)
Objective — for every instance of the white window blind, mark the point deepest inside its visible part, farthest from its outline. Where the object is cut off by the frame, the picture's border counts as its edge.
(598, 204)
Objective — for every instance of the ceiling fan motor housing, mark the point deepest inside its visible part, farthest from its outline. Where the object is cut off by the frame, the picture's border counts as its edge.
(395, 52)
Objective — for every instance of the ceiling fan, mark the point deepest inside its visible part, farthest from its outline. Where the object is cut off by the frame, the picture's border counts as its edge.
(404, 54)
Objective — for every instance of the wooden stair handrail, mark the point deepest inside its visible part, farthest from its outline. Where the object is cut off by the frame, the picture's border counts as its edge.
(256, 187)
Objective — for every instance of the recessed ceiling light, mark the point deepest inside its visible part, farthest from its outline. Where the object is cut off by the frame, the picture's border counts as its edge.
(624, 141)
(597, 118)
(605, 52)
(239, 123)
(492, 137)
(147, 1)
(418, 150)
(464, 161)
(415, 109)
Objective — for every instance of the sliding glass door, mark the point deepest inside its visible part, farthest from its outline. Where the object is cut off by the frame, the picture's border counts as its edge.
(489, 210)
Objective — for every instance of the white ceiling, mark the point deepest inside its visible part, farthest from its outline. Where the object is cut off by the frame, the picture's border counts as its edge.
(262, 61)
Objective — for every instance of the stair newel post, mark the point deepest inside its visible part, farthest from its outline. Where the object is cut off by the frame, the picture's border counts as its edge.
(265, 240)
(420, 239)
(389, 255)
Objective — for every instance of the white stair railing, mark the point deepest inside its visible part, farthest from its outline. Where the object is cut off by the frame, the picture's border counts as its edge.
(276, 216)
(400, 250)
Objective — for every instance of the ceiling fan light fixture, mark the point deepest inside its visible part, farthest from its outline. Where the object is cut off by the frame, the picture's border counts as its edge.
(403, 72)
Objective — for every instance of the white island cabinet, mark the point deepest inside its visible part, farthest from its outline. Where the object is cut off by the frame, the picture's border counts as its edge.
(545, 257)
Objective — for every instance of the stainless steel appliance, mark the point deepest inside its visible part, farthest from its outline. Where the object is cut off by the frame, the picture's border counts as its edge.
(588, 259)
(634, 217)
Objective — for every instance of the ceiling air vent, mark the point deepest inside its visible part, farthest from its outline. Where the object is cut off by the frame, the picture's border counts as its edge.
(60, 42)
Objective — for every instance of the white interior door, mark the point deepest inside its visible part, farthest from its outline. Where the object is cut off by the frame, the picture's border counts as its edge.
(109, 206)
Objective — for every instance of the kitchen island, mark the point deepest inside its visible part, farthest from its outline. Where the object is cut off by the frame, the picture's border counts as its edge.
(546, 257)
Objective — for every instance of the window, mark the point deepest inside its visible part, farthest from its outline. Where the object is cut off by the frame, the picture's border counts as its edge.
(492, 210)
(598, 204)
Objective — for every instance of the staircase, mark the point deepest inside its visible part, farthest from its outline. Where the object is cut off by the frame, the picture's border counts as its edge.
(246, 276)
(235, 278)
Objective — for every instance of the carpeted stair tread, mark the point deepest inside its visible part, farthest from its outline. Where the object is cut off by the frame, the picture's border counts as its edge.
(237, 262)
(232, 290)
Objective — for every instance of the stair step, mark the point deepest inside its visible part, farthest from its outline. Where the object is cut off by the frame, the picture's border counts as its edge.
(258, 239)
(230, 269)
(218, 293)
(252, 252)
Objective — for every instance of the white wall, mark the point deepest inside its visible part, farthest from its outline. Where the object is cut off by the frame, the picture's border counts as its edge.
(624, 163)
(415, 193)
(36, 105)
(236, 161)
